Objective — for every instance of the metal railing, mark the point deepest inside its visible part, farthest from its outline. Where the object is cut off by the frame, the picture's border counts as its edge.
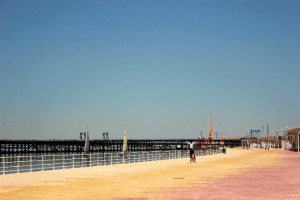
(38, 162)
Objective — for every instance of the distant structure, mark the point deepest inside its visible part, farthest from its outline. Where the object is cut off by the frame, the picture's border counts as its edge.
(87, 142)
(82, 135)
(105, 136)
(217, 133)
(210, 133)
(254, 133)
(201, 137)
(125, 140)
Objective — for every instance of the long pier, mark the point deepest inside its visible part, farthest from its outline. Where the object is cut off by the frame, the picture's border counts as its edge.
(72, 146)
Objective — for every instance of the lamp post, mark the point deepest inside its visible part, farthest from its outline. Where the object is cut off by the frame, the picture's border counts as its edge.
(268, 135)
(287, 136)
(273, 139)
(298, 140)
(263, 133)
(283, 140)
(277, 141)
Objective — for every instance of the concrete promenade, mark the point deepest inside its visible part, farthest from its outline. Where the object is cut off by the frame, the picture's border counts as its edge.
(239, 174)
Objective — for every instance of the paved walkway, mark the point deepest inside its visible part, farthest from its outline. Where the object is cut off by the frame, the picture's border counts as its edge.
(240, 174)
(279, 180)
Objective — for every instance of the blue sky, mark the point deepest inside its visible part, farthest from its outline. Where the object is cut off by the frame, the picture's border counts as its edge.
(159, 66)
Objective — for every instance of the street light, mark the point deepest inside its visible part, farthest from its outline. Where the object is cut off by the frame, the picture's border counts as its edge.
(298, 140)
(268, 136)
(286, 135)
(273, 136)
(277, 141)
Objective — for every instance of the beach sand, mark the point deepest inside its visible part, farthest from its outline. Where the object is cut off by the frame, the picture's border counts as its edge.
(220, 176)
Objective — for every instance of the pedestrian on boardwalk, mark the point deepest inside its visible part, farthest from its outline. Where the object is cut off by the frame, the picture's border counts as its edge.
(192, 152)
(224, 150)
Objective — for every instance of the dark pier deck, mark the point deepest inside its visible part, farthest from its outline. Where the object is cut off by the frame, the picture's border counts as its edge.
(52, 146)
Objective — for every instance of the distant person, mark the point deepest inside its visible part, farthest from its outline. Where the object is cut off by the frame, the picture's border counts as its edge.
(224, 150)
(192, 152)
(193, 158)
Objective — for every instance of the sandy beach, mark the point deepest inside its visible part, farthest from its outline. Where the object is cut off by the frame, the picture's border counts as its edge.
(221, 176)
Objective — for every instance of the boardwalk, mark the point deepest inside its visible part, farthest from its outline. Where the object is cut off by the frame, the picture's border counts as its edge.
(240, 174)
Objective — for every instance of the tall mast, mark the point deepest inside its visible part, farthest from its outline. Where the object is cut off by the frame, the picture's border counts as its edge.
(87, 142)
(125, 140)
(210, 133)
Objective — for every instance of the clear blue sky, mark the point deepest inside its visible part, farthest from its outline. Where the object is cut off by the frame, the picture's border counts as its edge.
(160, 66)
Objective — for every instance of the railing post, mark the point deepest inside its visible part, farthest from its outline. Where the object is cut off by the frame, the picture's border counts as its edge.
(30, 160)
(139, 155)
(81, 160)
(3, 165)
(90, 159)
(42, 162)
(73, 161)
(64, 161)
(147, 156)
(111, 159)
(53, 167)
(18, 164)
(97, 159)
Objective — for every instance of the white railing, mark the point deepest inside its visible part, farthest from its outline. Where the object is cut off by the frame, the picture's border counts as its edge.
(38, 162)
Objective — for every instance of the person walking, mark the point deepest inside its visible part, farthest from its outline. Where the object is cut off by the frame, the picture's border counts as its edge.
(192, 152)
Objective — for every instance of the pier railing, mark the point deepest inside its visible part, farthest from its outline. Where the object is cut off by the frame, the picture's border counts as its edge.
(37, 162)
